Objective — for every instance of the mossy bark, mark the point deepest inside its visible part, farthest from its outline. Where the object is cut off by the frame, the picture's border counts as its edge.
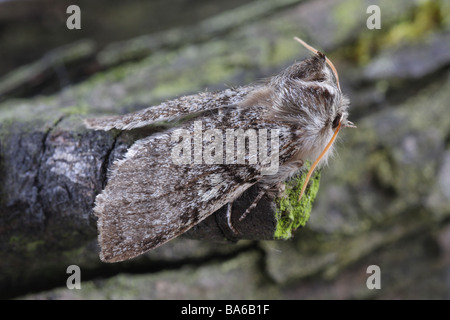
(383, 199)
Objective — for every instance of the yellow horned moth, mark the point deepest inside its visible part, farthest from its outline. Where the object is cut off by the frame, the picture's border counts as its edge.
(221, 145)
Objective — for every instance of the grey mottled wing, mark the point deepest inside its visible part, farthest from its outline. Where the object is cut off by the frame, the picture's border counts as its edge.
(149, 200)
(171, 110)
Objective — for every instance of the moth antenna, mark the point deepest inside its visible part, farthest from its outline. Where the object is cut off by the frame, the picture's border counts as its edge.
(328, 61)
(311, 170)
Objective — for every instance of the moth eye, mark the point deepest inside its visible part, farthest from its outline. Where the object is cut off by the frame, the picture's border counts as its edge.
(336, 121)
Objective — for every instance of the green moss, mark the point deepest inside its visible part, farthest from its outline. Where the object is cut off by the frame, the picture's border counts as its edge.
(291, 213)
(407, 26)
(21, 243)
(80, 109)
(172, 88)
(343, 15)
(216, 68)
(425, 18)
(14, 240)
(286, 49)
(72, 254)
(32, 246)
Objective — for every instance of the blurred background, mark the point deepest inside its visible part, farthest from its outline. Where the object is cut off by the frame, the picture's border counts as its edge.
(384, 199)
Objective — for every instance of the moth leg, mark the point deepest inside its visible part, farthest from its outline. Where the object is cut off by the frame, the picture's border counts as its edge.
(281, 187)
(229, 211)
(281, 190)
(255, 202)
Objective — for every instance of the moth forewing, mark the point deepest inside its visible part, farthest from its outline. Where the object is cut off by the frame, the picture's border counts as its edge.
(149, 200)
(172, 110)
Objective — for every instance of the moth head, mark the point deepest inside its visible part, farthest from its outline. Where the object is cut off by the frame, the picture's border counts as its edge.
(341, 113)
(321, 103)
(307, 96)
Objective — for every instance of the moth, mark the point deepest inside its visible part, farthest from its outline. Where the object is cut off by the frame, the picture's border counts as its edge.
(150, 198)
